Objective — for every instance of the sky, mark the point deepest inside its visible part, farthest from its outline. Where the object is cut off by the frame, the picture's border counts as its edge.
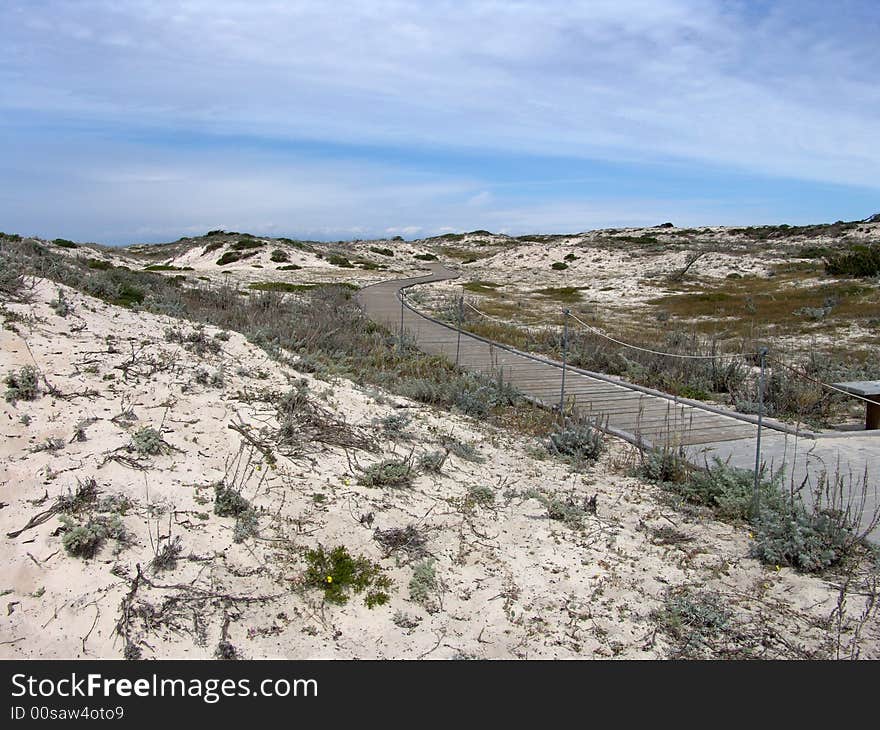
(127, 121)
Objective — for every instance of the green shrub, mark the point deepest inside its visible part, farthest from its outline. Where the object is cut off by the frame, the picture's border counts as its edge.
(83, 540)
(559, 266)
(22, 385)
(425, 257)
(432, 461)
(98, 264)
(213, 246)
(694, 619)
(148, 441)
(661, 466)
(423, 584)
(228, 502)
(338, 572)
(394, 425)
(727, 490)
(337, 260)
(858, 261)
(279, 255)
(229, 257)
(393, 473)
(480, 496)
(382, 251)
(64, 243)
(570, 257)
(807, 540)
(126, 295)
(167, 267)
(577, 445)
(245, 244)
(281, 286)
(289, 267)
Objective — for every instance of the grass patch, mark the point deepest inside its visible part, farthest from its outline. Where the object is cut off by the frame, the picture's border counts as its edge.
(167, 267)
(482, 287)
(564, 294)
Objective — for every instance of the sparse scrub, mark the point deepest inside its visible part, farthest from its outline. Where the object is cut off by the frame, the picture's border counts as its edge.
(423, 586)
(148, 441)
(407, 540)
(860, 261)
(83, 540)
(464, 450)
(432, 462)
(60, 305)
(571, 509)
(693, 619)
(279, 255)
(662, 465)
(22, 385)
(339, 260)
(391, 473)
(228, 501)
(578, 445)
(394, 425)
(167, 556)
(338, 573)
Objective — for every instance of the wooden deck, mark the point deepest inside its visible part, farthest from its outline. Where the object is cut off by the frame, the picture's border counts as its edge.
(643, 416)
(624, 409)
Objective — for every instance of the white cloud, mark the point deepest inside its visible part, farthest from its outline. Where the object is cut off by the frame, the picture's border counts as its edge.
(784, 92)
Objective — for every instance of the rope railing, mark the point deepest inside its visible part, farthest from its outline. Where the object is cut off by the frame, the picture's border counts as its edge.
(598, 332)
(805, 376)
(723, 356)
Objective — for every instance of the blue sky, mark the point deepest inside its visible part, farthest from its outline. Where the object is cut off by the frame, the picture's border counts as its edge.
(145, 120)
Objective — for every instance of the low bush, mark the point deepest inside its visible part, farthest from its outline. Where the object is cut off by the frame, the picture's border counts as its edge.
(858, 261)
(577, 445)
(83, 540)
(341, 261)
(423, 586)
(22, 385)
(338, 572)
(392, 473)
(228, 501)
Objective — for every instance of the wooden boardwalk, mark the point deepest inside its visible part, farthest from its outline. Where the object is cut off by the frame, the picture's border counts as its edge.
(637, 414)
(645, 417)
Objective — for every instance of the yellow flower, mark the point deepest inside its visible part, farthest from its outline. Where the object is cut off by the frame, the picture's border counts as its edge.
(329, 578)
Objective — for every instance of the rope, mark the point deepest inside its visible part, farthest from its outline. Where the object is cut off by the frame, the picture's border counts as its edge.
(693, 357)
(658, 352)
(488, 316)
(819, 382)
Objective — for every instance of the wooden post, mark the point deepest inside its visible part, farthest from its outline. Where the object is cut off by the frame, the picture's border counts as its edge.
(756, 497)
(564, 363)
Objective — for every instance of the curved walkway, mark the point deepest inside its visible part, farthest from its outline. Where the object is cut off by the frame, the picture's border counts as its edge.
(640, 415)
